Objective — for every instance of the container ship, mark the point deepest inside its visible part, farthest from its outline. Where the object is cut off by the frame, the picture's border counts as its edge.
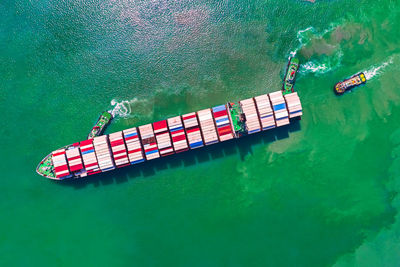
(347, 84)
(194, 130)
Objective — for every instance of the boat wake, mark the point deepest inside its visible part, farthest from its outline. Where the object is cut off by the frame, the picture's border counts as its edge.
(318, 64)
(314, 67)
(302, 39)
(323, 65)
(377, 70)
(122, 108)
(306, 35)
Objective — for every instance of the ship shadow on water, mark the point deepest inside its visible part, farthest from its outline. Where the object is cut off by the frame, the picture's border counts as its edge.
(240, 147)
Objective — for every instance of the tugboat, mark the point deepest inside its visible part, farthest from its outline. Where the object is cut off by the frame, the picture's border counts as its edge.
(290, 76)
(349, 83)
(101, 124)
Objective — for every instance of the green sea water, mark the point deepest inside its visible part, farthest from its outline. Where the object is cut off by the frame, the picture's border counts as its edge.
(321, 192)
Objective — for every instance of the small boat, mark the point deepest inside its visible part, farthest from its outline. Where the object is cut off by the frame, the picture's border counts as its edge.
(101, 124)
(290, 76)
(349, 83)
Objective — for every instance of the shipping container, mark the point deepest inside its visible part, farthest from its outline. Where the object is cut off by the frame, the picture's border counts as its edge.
(192, 130)
(265, 112)
(103, 153)
(60, 164)
(294, 105)
(207, 126)
(163, 138)
(118, 148)
(149, 142)
(89, 157)
(178, 135)
(133, 145)
(74, 159)
(252, 120)
(279, 107)
(223, 123)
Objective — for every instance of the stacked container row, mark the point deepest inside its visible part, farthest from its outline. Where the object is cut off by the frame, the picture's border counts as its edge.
(74, 159)
(207, 126)
(249, 109)
(133, 145)
(118, 149)
(60, 163)
(293, 105)
(149, 142)
(178, 136)
(279, 107)
(223, 123)
(192, 130)
(89, 157)
(103, 153)
(163, 138)
(265, 112)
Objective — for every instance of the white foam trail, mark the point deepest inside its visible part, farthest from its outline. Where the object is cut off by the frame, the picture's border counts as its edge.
(303, 39)
(376, 70)
(300, 39)
(327, 64)
(314, 67)
(122, 108)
